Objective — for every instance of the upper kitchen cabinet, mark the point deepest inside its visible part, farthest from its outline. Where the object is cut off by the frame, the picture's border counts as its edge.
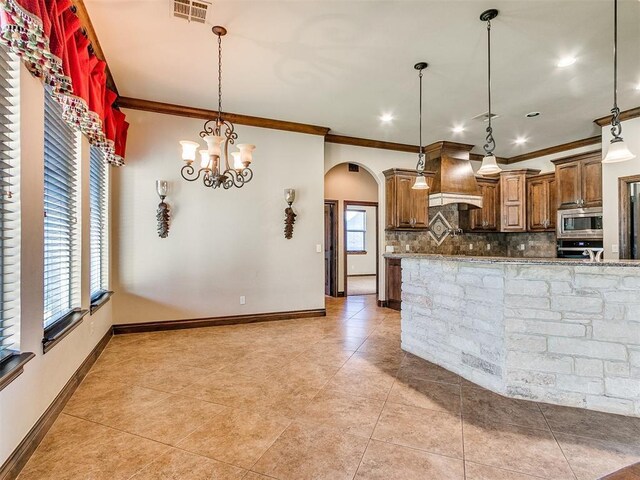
(487, 218)
(579, 181)
(542, 203)
(406, 208)
(513, 199)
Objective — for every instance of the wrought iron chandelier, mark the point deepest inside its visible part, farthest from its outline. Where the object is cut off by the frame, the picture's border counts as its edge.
(218, 134)
(489, 164)
(618, 150)
(421, 182)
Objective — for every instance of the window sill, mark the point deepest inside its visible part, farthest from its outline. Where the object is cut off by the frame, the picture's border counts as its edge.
(11, 367)
(99, 301)
(62, 328)
(357, 252)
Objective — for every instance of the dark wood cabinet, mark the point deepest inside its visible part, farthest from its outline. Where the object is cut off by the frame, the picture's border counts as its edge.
(394, 283)
(542, 203)
(513, 199)
(579, 181)
(406, 208)
(487, 218)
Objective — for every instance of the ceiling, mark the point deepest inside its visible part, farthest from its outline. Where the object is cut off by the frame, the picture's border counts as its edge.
(343, 63)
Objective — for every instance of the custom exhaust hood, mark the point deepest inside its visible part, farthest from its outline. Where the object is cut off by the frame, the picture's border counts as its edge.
(454, 181)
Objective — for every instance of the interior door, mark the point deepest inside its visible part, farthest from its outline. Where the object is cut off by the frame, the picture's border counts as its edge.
(330, 249)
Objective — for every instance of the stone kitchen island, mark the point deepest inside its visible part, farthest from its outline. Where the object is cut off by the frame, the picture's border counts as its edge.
(558, 331)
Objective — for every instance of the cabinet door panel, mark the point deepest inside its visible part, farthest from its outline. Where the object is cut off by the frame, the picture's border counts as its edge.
(552, 205)
(591, 176)
(420, 208)
(512, 189)
(512, 217)
(404, 201)
(537, 204)
(390, 203)
(513, 203)
(568, 185)
(394, 283)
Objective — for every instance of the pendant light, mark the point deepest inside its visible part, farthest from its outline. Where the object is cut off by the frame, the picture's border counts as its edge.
(421, 181)
(618, 151)
(489, 164)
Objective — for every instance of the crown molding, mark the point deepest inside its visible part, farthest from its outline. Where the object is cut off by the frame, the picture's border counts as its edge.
(585, 142)
(204, 114)
(626, 115)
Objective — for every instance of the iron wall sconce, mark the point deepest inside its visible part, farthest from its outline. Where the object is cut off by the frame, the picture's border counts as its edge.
(289, 215)
(163, 213)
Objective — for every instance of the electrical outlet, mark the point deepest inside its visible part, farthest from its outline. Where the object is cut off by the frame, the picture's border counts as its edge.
(488, 246)
(389, 249)
(407, 247)
(614, 248)
(471, 246)
(521, 247)
(243, 300)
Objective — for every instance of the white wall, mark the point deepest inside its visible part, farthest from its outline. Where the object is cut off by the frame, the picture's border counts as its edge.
(610, 175)
(24, 400)
(222, 243)
(365, 264)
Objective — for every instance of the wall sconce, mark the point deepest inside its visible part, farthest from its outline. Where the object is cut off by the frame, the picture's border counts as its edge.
(289, 215)
(163, 214)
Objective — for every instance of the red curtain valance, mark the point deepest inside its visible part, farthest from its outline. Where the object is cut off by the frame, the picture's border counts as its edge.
(47, 35)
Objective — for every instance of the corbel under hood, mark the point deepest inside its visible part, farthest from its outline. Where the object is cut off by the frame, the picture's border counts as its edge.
(454, 181)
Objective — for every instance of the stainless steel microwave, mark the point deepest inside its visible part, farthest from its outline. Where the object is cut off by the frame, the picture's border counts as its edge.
(582, 223)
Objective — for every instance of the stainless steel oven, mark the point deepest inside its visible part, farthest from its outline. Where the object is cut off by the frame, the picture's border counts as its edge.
(580, 223)
(577, 248)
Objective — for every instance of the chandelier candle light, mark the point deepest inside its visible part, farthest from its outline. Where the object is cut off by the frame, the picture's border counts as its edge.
(218, 134)
(489, 164)
(618, 150)
(421, 182)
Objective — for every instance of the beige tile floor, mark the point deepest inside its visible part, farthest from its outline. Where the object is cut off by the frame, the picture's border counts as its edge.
(328, 398)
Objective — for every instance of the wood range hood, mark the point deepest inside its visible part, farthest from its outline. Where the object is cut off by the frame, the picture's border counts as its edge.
(454, 181)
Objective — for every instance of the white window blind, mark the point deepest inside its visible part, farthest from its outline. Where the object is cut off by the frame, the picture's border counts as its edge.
(9, 206)
(98, 189)
(61, 285)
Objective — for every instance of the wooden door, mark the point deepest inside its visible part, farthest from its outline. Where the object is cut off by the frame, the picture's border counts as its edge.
(490, 214)
(512, 193)
(568, 185)
(404, 210)
(591, 182)
(394, 283)
(420, 208)
(330, 249)
(537, 201)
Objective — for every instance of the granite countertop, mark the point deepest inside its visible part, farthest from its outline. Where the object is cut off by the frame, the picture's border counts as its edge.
(517, 260)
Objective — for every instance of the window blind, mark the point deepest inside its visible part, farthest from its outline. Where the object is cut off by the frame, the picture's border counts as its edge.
(61, 286)
(9, 206)
(98, 188)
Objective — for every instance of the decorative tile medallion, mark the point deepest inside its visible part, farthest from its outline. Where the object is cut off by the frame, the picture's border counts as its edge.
(439, 228)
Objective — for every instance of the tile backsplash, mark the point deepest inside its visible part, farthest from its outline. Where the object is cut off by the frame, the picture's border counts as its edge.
(542, 245)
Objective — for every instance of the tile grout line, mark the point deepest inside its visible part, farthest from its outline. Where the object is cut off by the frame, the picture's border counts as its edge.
(553, 434)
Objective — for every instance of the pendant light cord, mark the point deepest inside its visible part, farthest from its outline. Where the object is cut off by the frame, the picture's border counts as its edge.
(420, 166)
(616, 128)
(219, 79)
(491, 144)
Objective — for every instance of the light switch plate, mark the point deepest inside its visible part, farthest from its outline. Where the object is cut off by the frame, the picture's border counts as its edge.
(614, 248)
(318, 248)
(389, 249)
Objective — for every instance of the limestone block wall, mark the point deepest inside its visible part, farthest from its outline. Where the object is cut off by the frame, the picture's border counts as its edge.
(557, 333)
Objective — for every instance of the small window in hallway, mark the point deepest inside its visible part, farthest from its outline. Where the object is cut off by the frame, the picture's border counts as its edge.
(356, 231)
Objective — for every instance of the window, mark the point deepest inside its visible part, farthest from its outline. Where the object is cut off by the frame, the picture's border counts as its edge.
(98, 188)
(61, 285)
(9, 207)
(356, 231)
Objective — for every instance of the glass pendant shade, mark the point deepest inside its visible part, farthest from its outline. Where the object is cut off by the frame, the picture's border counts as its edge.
(289, 195)
(246, 155)
(205, 159)
(237, 162)
(618, 152)
(489, 166)
(189, 150)
(214, 144)
(420, 183)
(162, 187)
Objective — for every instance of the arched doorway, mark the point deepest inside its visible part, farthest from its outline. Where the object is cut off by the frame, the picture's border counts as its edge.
(351, 231)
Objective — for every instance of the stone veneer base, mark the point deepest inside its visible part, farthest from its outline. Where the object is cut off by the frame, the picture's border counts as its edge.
(560, 333)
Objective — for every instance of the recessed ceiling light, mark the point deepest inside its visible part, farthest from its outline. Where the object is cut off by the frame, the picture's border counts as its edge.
(386, 118)
(520, 141)
(566, 62)
(458, 129)
(532, 114)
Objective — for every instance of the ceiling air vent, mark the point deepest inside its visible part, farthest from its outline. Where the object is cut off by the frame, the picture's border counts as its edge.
(191, 10)
(485, 116)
